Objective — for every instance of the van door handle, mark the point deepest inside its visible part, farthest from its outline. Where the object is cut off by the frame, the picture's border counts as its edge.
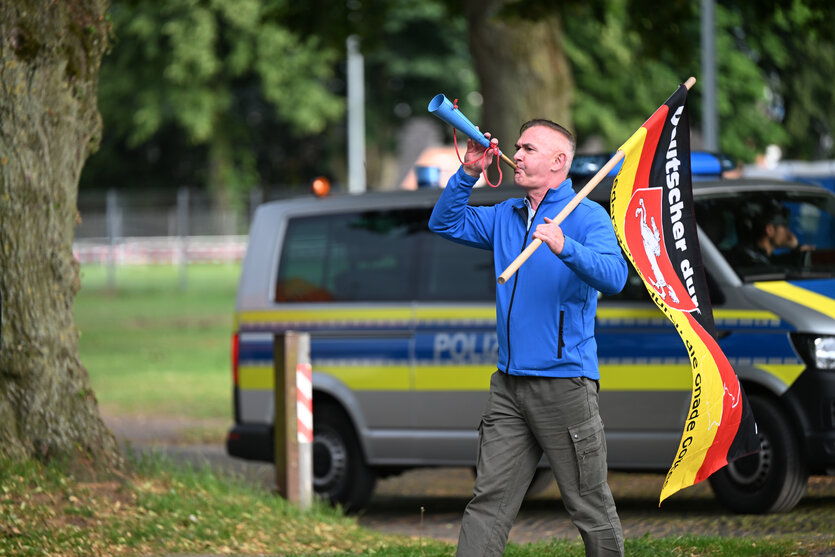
(723, 333)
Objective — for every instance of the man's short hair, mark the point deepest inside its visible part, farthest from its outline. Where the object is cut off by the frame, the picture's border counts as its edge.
(554, 126)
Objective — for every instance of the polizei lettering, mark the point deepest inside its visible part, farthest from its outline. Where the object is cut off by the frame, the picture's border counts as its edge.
(466, 348)
(671, 170)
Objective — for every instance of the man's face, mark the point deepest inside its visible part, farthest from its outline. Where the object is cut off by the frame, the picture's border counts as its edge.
(781, 236)
(542, 154)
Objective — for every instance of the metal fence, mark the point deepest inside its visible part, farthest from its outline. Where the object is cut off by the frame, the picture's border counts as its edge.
(163, 227)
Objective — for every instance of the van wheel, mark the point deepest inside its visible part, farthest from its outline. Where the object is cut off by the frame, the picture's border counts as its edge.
(340, 475)
(771, 481)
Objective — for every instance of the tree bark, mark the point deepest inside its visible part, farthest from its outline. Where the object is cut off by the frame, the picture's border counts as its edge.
(522, 67)
(50, 54)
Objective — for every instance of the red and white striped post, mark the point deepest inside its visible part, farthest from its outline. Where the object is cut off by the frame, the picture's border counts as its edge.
(293, 423)
(304, 414)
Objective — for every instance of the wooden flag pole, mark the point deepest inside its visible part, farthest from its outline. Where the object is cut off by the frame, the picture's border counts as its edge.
(509, 161)
(528, 251)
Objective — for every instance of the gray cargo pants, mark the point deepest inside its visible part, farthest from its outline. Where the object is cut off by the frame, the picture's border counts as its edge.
(525, 416)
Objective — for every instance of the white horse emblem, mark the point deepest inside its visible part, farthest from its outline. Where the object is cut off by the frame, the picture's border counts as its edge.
(652, 247)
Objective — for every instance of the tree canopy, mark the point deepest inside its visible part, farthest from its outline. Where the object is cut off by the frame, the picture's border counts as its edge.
(774, 62)
(210, 69)
(793, 44)
(210, 92)
(197, 92)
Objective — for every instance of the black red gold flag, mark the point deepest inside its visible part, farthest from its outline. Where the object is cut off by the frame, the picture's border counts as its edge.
(653, 215)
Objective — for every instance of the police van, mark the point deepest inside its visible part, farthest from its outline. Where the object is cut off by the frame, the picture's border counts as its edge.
(403, 339)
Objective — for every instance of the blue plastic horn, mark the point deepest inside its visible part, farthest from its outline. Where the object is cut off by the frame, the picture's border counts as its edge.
(443, 109)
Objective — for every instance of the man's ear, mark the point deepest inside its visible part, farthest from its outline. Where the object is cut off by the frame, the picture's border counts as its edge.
(560, 160)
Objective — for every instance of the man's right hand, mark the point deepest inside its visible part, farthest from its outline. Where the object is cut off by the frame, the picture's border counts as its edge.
(472, 158)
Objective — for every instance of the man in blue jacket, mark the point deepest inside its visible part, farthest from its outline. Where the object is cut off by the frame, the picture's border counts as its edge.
(543, 398)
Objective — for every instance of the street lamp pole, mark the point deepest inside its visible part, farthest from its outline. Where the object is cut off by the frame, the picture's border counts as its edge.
(710, 116)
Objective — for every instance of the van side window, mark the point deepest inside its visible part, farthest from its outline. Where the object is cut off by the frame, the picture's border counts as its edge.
(455, 273)
(357, 257)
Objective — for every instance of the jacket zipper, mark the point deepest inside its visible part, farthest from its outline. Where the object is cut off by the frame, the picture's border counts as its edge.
(559, 335)
(516, 280)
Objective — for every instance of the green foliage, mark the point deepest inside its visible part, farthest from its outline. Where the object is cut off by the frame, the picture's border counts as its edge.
(187, 64)
(774, 65)
(793, 44)
(178, 61)
(423, 52)
(280, 59)
(412, 51)
(626, 64)
(617, 89)
(746, 122)
(237, 93)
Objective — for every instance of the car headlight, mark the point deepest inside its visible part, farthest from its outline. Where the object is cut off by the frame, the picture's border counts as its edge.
(815, 350)
(824, 352)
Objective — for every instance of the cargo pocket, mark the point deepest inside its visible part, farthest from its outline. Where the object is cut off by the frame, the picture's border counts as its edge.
(590, 449)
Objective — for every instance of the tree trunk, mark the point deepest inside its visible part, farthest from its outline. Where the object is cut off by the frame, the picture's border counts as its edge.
(50, 54)
(522, 67)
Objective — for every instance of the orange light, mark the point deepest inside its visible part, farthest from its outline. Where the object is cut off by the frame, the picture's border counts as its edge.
(321, 186)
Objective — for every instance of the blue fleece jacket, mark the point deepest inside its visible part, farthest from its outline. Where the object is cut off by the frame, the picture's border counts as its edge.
(545, 312)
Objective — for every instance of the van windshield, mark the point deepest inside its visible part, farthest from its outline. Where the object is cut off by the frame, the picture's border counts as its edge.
(772, 235)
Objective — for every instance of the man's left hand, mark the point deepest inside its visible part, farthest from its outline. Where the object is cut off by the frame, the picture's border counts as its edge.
(551, 234)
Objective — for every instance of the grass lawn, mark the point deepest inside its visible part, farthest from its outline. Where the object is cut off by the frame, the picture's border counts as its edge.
(163, 509)
(154, 349)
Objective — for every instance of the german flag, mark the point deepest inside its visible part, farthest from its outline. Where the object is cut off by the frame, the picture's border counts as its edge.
(652, 213)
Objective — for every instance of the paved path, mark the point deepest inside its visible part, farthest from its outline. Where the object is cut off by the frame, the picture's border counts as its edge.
(443, 494)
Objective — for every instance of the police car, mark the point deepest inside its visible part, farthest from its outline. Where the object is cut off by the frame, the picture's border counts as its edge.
(403, 339)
